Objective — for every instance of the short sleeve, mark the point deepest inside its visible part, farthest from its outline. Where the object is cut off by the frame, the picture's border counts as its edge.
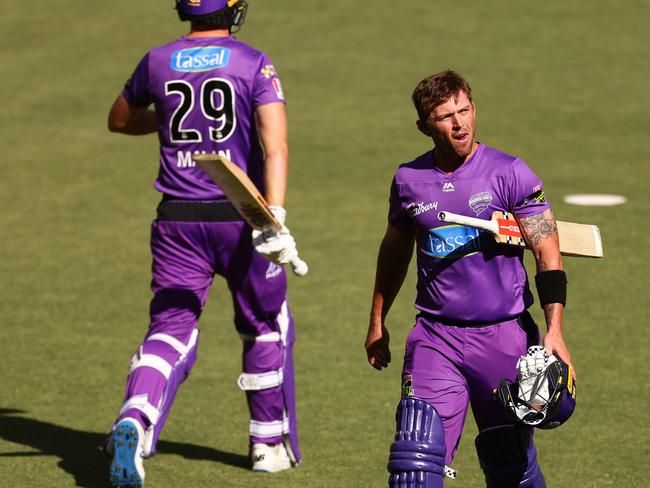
(527, 196)
(266, 85)
(397, 216)
(136, 89)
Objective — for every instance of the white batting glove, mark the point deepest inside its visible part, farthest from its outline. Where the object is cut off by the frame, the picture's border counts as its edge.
(277, 247)
(533, 387)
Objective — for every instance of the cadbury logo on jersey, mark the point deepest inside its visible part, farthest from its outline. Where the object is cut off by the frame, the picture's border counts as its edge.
(453, 241)
(415, 209)
(200, 59)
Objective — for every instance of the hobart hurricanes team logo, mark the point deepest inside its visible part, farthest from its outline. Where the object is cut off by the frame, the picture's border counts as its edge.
(480, 202)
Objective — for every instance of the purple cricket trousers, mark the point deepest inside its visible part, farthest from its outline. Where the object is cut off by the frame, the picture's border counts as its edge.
(186, 256)
(452, 367)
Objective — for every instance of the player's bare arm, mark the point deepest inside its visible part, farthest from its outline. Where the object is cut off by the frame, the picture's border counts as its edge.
(128, 119)
(272, 126)
(540, 232)
(393, 260)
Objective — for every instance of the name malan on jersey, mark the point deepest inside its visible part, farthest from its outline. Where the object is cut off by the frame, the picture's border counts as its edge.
(200, 59)
(184, 158)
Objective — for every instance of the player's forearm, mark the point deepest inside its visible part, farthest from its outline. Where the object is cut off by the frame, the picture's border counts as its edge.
(272, 127)
(553, 317)
(540, 232)
(127, 119)
(145, 123)
(276, 171)
(392, 266)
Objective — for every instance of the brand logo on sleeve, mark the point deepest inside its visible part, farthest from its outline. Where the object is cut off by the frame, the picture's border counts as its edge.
(202, 58)
(268, 71)
(480, 201)
(278, 88)
(452, 242)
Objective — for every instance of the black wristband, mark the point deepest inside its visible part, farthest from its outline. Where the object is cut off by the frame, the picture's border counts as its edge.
(551, 287)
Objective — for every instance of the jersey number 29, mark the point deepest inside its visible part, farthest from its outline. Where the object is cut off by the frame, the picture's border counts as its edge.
(223, 115)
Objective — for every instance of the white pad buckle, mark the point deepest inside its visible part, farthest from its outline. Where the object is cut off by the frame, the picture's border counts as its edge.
(260, 381)
(450, 473)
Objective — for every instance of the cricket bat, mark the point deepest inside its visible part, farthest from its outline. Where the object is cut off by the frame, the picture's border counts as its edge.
(244, 196)
(575, 239)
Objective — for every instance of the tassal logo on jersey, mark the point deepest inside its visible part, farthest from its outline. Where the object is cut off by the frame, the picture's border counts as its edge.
(452, 241)
(202, 58)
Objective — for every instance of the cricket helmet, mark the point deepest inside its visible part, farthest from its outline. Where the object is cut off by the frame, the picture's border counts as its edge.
(549, 403)
(222, 13)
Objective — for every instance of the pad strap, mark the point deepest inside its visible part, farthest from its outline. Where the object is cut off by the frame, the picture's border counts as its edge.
(551, 287)
(260, 381)
(270, 337)
(181, 348)
(274, 428)
(140, 402)
(151, 361)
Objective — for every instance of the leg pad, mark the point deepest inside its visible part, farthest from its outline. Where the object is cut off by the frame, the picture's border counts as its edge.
(508, 458)
(417, 457)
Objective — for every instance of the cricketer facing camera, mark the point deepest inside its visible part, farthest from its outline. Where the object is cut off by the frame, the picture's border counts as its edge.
(210, 93)
(472, 296)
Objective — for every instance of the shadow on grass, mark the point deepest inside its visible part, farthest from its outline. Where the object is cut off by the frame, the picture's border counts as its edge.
(80, 452)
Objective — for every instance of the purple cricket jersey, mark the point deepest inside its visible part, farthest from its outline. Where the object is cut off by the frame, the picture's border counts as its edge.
(205, 92)
(463, 274)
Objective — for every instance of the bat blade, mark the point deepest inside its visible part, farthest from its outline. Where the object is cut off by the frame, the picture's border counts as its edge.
(580, 239)
(244, 196)
(240, 191)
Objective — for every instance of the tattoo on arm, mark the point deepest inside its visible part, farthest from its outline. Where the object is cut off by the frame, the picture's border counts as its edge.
(539, 227)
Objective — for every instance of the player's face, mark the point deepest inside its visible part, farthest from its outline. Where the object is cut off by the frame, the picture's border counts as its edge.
(452, 125)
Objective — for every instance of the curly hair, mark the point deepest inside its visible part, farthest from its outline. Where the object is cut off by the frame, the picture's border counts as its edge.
(437, 89)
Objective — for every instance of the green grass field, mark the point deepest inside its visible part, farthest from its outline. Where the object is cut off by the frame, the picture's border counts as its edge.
(562, 84)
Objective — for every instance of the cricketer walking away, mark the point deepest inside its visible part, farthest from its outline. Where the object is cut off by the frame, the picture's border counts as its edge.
(210, 93)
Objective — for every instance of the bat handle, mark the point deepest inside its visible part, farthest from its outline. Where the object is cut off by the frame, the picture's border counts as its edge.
(299, 267)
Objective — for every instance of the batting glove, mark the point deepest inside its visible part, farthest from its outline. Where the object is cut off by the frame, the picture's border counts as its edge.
(278, 247)
(533, 386)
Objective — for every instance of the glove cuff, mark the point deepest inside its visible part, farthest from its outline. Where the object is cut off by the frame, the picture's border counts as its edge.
(279, 212)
